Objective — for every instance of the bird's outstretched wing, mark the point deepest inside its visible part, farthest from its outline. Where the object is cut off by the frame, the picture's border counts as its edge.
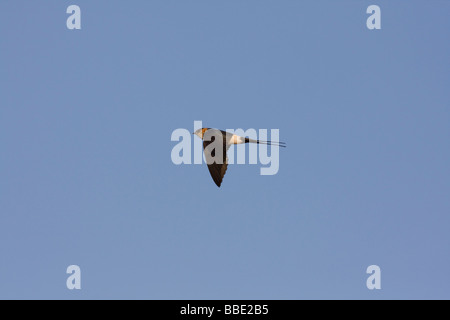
(217, 170)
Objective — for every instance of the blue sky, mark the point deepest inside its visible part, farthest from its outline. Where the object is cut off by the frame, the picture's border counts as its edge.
(86, 176)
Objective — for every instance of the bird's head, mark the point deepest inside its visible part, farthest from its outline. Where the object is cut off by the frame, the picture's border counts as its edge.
(200, 132)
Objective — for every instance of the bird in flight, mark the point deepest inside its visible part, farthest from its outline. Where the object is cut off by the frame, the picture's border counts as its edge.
(216, 153)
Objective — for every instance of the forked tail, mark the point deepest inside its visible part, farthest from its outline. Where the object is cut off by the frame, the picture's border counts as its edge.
(272, 143)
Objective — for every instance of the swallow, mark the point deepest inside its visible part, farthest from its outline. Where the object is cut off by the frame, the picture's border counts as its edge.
(217, 169)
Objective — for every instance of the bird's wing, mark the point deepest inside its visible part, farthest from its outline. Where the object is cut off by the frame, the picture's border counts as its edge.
(217, 170)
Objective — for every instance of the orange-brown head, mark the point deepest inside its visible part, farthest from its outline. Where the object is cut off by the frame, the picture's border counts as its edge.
(200, 132)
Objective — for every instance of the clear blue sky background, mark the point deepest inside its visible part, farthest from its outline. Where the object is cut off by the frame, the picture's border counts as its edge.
(86, 175)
